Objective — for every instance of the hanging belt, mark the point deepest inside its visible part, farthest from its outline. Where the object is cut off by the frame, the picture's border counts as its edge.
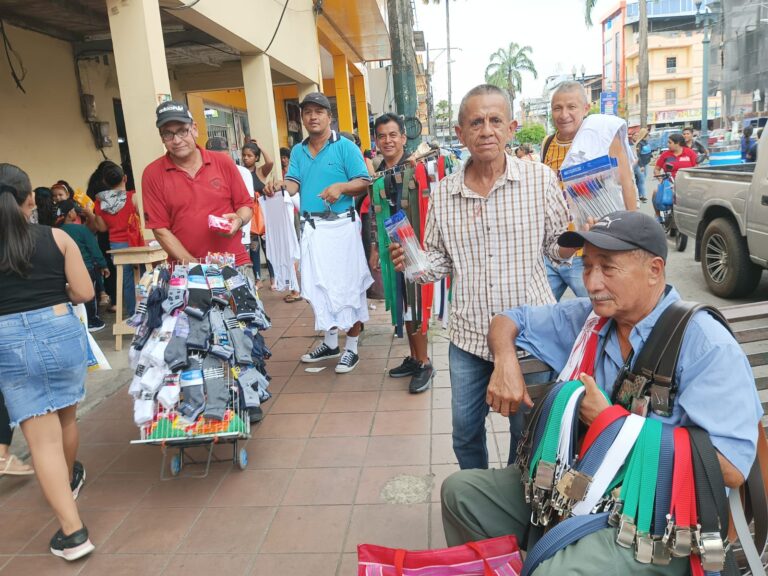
(712, 503)
(661, 554)
(574, 484)
(605, 418)
(565, 533)
(680, 518)
(614, 459)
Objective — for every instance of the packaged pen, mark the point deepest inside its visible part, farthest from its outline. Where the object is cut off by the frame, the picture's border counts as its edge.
(592, 189)
(400, 230)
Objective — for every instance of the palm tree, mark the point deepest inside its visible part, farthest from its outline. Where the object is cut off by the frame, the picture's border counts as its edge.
(506, 68)
(642, 67)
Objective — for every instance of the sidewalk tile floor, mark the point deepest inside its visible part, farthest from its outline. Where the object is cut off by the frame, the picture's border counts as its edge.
(323, 474)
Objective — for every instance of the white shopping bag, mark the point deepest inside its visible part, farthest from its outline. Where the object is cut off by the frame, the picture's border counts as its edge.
(96, 358)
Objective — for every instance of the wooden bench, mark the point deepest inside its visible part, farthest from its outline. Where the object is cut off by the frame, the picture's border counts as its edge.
(749, 323)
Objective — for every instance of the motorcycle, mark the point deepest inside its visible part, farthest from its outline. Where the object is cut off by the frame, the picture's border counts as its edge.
(664, 202)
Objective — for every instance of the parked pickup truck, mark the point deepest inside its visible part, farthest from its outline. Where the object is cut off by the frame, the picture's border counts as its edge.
(725, 208)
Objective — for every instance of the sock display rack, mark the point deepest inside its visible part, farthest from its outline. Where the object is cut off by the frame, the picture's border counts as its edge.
(199, 362)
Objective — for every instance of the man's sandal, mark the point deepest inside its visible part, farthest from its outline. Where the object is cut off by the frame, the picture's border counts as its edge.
(12, 466)
(290, 298)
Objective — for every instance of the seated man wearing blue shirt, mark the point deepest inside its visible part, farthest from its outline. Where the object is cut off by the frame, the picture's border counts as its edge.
(624, 273)
(327, 171)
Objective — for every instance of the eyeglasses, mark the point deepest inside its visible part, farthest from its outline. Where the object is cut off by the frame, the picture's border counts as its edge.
(168, 136)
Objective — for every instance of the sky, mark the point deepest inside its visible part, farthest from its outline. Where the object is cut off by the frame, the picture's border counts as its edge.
(554, 29)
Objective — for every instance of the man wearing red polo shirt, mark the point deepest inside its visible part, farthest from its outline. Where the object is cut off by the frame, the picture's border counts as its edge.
(186, 185)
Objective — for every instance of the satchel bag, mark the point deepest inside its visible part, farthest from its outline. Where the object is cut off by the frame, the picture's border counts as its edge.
(491, 557)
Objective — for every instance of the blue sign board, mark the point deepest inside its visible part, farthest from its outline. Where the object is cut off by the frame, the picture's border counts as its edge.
(609, 103)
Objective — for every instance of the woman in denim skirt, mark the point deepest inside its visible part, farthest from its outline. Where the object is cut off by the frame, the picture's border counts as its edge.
(43, 350)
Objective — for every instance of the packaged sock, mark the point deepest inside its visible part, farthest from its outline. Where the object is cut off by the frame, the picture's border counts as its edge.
(164, 334)
(143, 411)
(199, 335)
(216, 387)
(199, 296)
(237, 338)
(141, 367)
(177, 290)
(221, 346)
(192, 388)
(175, 354)
(152, 380)
(215, 280)
(169, 394)
(251, 381)
(242, 297)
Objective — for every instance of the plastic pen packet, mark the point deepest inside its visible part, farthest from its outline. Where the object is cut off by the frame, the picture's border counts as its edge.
(592, 189)
(400, 230)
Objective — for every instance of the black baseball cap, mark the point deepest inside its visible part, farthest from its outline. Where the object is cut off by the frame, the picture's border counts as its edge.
(619, 231)
(62, 209)
(316, 98)
(172, 111)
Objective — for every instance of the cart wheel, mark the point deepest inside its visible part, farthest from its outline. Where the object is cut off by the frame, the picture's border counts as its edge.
(242, 459)
(176, 464)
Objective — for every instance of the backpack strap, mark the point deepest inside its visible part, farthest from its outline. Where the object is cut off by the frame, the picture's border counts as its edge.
(657, 361)
(545, 148)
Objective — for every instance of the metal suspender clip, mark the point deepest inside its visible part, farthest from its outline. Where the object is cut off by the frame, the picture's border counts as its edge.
(616, 510)
(712, 551)
(625, 536)
(545, 475)
(661, 397)
(570, 489)
(681, 541)
(661, 553)
(644, 548)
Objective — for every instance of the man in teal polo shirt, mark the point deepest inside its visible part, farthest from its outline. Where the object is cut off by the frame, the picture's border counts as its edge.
(327, 171)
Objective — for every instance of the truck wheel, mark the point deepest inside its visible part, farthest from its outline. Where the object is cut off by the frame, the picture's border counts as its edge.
(681, 241)
(725, 262)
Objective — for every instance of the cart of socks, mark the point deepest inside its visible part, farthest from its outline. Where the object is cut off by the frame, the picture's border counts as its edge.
(197, 336)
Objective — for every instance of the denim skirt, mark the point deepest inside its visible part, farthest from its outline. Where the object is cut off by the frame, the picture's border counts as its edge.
(43, 361)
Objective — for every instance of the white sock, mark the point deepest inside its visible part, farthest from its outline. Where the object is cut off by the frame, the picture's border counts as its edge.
(351, 343)
(331, 338)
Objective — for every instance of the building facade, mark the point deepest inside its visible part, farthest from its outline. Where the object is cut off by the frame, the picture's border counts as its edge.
(675, 58)
(91, 73)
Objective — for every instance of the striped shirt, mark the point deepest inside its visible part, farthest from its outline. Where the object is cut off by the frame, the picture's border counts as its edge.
(493, 246)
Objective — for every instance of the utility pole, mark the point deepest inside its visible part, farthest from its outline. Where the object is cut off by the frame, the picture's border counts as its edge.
(403, 61)
(642, 72)
(448, 38)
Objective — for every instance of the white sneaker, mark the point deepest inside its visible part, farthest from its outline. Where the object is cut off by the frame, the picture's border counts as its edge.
(347, 363)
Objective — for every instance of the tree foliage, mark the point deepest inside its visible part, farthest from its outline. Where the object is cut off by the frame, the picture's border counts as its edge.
(531, 134)
(506, 67)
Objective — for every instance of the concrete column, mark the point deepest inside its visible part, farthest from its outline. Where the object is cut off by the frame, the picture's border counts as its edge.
(343, 96)
(305, 89)
(197, 109)
(260, 99)
(361, 108)
(142, 73)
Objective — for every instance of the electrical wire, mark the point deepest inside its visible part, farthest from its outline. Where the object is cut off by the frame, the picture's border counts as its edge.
(277, 28)
(18, 77)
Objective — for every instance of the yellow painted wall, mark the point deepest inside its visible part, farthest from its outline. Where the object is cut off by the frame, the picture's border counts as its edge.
(43, 131)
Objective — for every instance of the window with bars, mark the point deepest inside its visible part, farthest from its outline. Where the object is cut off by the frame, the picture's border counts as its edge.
(671, 64)
(670, 95)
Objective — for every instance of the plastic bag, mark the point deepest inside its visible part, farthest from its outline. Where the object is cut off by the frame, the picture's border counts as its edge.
(400, 230)
(592, 189)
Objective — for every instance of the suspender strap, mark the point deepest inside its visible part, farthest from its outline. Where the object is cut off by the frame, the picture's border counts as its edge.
(680, 519)
(603, 420)
(562, 535)
(614, 459)
(546, 451)
(745, 537)
(664, 480)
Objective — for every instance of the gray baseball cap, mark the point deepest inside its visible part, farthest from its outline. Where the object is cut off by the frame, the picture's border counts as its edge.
(316, 98)
(621, 231)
